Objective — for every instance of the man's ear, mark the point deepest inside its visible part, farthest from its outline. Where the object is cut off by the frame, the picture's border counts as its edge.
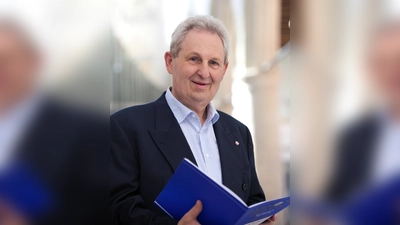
(226, 67)
(168, 61)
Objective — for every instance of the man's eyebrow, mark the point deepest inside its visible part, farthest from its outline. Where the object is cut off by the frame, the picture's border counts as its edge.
(198, 54)
(216, 59)
(194, 53)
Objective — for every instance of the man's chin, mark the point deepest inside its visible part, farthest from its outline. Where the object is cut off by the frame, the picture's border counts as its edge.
(201, 98)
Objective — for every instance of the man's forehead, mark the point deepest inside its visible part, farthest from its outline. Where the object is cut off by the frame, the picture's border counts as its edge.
(197, 40)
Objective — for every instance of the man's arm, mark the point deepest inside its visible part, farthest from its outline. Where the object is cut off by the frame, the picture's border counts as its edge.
(126, 204)
(256, 192)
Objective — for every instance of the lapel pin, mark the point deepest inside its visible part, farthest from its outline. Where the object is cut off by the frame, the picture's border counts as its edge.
(236, 143)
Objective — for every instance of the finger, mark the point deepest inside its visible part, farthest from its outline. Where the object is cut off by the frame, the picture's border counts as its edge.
(195, 211)
(274, 217)
(267, 222)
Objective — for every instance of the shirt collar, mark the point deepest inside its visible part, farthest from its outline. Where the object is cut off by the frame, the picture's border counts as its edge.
(180, 111)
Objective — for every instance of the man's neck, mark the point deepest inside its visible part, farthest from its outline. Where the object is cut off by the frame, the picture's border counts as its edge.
(200, 111)
(202, 116)
(200, 108)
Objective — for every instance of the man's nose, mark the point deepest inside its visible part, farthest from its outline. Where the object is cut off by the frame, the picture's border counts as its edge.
(203, 70)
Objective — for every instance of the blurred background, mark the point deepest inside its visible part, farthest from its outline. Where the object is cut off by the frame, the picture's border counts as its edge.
(255, 89)
(332, 86)
(336, 84)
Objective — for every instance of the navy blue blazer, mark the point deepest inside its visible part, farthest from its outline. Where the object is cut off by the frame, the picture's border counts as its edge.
(147, 145)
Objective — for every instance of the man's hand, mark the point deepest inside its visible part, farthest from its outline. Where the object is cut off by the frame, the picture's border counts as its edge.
(190, 218)
(270, 221)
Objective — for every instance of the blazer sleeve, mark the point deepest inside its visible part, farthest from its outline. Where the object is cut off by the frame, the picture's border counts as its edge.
(126, 204)
(256, 193)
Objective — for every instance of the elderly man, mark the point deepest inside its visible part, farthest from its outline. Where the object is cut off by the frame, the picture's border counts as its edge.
(149, 141)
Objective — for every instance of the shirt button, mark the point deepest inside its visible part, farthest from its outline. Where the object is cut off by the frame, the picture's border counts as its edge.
(207, 155)
(193, 115)
(244, 187)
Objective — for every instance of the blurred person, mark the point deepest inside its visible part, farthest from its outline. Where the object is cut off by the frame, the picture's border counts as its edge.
(368, 151)
(149, 141)
(52, 166)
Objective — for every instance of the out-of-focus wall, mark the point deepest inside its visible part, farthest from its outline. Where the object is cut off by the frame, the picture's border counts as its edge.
(74, 46)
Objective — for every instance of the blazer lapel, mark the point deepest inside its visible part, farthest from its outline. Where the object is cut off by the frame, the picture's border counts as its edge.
(230, 156)
(169, 137)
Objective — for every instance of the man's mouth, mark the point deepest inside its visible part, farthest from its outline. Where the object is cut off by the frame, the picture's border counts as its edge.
(200, 83)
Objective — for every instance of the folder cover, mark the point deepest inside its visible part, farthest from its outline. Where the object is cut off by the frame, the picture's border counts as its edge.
(220, 205)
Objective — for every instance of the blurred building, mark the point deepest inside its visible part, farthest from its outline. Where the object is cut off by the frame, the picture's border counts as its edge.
(255, 89)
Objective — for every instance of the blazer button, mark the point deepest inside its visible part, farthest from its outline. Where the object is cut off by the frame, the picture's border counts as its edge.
(244, 186)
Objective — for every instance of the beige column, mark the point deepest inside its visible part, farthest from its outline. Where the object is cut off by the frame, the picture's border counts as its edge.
(262, 43)
(262, 30)
(264, 89)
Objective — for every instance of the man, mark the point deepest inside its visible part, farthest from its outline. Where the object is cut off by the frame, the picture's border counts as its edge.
(57, 147)
(149, 141)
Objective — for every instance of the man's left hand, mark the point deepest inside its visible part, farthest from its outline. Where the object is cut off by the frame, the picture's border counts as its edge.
(270, 220)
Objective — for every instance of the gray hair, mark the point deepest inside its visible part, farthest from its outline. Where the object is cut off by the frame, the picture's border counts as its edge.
(205, 22)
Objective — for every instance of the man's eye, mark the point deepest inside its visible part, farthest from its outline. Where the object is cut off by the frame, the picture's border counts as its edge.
(214, 63)
(193, 58)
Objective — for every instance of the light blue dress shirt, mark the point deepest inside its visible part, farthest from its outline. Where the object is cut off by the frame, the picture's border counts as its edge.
(201, 139)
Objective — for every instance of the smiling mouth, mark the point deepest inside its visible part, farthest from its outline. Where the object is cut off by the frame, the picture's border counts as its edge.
(200, 83)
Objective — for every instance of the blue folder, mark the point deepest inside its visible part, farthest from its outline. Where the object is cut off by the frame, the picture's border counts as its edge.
(220, 205)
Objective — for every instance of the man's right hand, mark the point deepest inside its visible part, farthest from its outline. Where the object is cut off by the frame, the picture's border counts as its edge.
(190, 218)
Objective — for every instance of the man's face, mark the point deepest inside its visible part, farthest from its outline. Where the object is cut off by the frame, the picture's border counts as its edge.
(198, 69)
(17, 69)
(384, 66)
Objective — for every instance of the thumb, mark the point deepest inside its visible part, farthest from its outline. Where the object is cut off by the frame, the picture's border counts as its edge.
(195, 211)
